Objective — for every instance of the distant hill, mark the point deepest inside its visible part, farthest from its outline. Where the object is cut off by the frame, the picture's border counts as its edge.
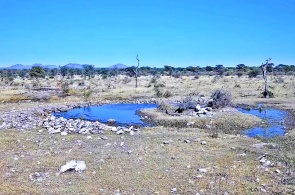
(74, 65)
(19, 67)
(70, 65)
(24, 67)
(118, 66)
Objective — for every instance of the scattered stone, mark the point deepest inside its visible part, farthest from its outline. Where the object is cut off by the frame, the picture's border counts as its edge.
(131, 133)
(78, 166)
(114, 129)
(166, 142)
(120, 132)
(202, 170)
(278, 171)
(203, 143)
(242, 154)
(263, 190)
(187, 141)
(88, 137)
(64, 133)
(173, 190)
(39, 177)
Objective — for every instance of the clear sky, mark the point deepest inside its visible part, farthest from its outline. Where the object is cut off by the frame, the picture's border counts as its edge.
(179, 33)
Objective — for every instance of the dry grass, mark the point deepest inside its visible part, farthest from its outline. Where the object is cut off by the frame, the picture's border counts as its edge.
(152, 167)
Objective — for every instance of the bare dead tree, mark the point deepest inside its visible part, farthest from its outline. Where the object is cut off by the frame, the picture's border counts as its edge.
(264, 73)
(136, 71)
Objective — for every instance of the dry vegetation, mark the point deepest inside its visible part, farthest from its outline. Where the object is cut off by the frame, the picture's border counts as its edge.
(144, 164)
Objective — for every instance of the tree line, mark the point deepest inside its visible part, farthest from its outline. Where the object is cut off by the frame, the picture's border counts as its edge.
(89, 71)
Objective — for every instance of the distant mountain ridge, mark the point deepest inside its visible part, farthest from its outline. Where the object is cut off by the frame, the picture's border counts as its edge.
(118, 66)
(70, 65)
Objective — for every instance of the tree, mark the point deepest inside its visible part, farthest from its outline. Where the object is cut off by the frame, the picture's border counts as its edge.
(253, 73)
(37, 72)
(263, 67)
(169, 69)
(88, 70)
(242, 67)
(219, 69)
(64, 70)
(209, 68)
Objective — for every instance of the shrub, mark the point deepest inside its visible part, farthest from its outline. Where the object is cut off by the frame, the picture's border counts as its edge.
(126, 80)
(279, 80)
(219, 99)
(239, 73)
(270, 93)
(253, 73)
(65, 88)
(237, 85)
(196, 77)
(87, 93)
(167, 94)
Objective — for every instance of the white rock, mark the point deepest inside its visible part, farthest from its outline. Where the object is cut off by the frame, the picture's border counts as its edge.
(198, 107)
(88, 137)
(114, 129)
(203, 142)
(120, 132)
(202, 170)
(267, 163)
(80, 166)
(173, 190)
(187, 141)
(73, 165)
(131, 133)
(64, 133)
(70, 165)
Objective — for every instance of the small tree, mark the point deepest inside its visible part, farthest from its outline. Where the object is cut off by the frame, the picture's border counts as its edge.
(37, 72)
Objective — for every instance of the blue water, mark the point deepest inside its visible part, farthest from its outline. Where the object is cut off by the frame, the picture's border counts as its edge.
(122, 113)
(274, 118)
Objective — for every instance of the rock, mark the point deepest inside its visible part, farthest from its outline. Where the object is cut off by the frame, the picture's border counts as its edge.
(173, 190)
(203, 143)
(202, 170)
(166, 142)
(78, 166)
(131, 133)
(114, 129)
(263, 190)
(64, 133)
(120, 132)
(187, 141)
(88, 137)
(259, 145)
(198, 107)
(81, 166)
(278, 171)
(267, 163)
(190, 124)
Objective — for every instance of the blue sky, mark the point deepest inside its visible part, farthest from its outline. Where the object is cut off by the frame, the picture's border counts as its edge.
(179, 33)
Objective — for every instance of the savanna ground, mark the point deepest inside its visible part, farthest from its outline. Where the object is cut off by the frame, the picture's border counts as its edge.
(143, 164)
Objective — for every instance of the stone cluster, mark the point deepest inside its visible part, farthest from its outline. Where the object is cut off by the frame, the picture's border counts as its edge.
(42, 118)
